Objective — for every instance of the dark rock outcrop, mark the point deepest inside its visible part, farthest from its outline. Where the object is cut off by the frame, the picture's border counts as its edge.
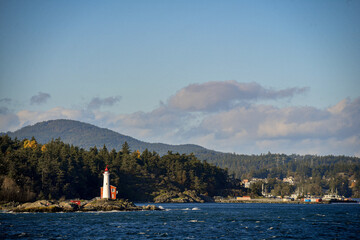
(182, 197)
(84, 206)
(110, 205)
(47, 206)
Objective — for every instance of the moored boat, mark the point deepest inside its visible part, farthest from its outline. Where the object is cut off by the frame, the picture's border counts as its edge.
(335, 198)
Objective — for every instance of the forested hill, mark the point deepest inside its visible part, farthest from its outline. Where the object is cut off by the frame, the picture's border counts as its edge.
(242, 166)
(85, 135)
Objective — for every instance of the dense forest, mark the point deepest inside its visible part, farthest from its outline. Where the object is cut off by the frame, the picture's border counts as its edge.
(272, 165)
(312, 174)
(30, 171)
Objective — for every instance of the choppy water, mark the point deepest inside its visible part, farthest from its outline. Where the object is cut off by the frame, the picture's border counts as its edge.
(192, 221)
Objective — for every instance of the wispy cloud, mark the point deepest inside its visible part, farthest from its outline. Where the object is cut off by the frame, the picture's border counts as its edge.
(215, 96)
(40, 98)
(97, 102)
(5, 101)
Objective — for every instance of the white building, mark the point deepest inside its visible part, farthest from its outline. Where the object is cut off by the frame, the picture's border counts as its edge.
(107, 191)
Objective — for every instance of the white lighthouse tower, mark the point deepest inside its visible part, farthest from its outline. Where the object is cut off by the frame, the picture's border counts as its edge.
(106, 184)
(107, 191)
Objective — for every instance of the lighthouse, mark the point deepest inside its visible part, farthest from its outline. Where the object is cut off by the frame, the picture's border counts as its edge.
(107, 191)
(106, 184)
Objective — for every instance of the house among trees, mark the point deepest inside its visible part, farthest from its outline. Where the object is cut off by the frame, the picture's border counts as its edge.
(107, 191)
(289, 180)
(246, 183)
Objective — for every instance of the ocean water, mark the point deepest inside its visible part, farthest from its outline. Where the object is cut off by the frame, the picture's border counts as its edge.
(192, 221)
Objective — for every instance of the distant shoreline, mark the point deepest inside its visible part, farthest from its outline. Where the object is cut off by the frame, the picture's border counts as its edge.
(257, 201)
(283, 201)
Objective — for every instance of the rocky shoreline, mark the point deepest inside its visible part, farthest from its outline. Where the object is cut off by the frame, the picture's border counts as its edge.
(52, 206)
(126, 205)
(189, 196)
(283, 201)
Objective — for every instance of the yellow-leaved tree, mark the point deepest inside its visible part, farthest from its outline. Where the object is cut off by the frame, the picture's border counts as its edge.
(30, 144)
(137, 154)
(43, 148)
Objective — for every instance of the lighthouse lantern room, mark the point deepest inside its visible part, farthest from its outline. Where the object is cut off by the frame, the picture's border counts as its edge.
(107, 191)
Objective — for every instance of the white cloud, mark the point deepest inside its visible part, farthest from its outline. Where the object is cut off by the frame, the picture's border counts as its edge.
(159, 125)
(295, 129)
(27, 117)
(8, 120)
(246, 128)
(251, 129)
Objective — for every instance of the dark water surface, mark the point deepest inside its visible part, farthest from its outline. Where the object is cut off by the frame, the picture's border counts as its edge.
(192, 221)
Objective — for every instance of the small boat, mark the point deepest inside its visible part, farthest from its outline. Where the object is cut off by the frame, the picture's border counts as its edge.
(330, 197)
(335, 198)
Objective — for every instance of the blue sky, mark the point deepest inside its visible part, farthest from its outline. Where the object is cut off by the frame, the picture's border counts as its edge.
(234, 76)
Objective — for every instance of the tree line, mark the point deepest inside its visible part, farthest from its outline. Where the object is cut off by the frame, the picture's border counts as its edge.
(314, 175)
(30, 171)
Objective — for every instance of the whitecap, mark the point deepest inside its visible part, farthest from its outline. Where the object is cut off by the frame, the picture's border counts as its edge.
(195, 221)
(16, 213)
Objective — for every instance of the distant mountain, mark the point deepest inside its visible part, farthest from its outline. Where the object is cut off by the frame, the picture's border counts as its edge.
(86, 135)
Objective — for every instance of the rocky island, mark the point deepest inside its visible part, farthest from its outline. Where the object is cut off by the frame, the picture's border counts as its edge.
(73, 206)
